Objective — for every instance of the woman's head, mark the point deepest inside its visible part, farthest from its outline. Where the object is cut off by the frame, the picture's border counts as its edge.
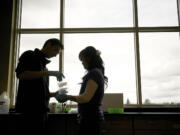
(90, 58)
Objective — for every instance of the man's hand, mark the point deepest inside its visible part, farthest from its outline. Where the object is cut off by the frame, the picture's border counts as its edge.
(61, 91)
(61, 97)
(57, 74)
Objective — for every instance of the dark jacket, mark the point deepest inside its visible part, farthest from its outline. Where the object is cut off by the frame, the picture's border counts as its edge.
(33, 95)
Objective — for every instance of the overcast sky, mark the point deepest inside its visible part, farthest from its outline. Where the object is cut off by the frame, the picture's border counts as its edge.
(160, 52)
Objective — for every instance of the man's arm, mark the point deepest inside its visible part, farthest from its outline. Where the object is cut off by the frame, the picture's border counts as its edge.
(29, 75)
(52, 94)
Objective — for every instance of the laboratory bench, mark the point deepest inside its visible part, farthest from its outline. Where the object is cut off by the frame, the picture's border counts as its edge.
(128, 123)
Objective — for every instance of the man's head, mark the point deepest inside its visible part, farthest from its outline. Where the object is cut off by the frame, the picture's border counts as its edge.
(52, 47)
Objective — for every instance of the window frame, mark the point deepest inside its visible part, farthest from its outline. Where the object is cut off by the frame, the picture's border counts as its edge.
(17, 31)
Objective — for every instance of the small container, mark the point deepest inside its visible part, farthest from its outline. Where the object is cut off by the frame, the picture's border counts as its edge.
(58, 108)
(4, 102)
(52, 107)
(62, 84)
(115, 110)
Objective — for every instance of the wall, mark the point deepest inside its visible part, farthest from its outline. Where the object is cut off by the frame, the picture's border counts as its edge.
(5, 33)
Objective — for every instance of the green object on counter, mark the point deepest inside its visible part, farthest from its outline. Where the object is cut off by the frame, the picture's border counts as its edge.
(67, 109)
(115, 110)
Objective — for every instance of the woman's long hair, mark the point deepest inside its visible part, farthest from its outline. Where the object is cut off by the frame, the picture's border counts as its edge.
(94, 60)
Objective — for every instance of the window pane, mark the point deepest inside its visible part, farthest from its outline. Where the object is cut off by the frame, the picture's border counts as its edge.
(157, 12)
(117, 51)
(40, 14)
(32, 41)
(160, 64)
(98, 13)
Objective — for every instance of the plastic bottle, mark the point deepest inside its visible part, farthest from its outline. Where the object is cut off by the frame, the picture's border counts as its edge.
(4, 102)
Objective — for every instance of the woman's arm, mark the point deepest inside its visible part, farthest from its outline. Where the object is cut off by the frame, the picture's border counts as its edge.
(91, 88)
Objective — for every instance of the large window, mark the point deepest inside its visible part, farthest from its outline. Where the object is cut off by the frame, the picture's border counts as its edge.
(138, 39)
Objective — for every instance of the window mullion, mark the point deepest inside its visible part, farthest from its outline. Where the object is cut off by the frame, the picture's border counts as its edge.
(137, 54)
(14, 50)
(61, 55)
(178, 12)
